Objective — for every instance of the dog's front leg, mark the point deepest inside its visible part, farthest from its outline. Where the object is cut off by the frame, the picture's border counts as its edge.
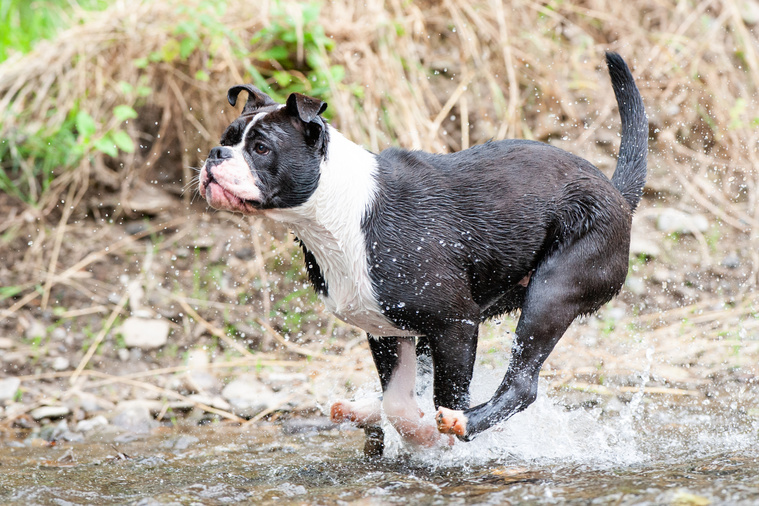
(395, 358)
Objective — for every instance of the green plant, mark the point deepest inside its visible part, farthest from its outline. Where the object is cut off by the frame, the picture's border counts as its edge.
(31, 160)
(24, 23)
(296, 45)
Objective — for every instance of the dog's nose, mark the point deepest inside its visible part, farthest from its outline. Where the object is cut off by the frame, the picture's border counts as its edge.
(220, 153)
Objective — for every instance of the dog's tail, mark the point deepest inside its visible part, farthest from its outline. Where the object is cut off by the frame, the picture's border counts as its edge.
(630, 174)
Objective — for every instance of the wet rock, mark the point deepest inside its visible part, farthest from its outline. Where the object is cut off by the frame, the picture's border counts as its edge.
(15, 361)
(91, 424)
(8, 388)
(136, 227)
(248, 396)
(642, 246)
(145, 334)
(201, 382)
(674, 221)
(180, 443)
(49, 412)
(307, 425)
(215, 401)
(731, 261)
(134, 416)
(244, 253)
(60, 364)
(89, 403)
(35, 329)
(58, 334)
(636, 285)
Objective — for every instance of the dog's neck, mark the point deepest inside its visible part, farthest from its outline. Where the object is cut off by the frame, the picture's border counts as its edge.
(329, 224)
(346, 190)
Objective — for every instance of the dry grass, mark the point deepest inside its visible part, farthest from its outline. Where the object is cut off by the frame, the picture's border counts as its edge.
(430, 75)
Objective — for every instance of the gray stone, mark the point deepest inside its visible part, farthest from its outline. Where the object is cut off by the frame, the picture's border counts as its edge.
(60, 364)
(674, 221)
(91, 423)
(8, 388)
(49, 412)
(146, 334)
(180, 443)
(248, 396)
(641, 246)
(134, 416)
(35, 329)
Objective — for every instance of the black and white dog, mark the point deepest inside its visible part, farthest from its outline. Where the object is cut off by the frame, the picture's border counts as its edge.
(417, 249)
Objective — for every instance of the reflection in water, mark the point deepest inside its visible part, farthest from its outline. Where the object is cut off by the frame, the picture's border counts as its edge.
(655, 454)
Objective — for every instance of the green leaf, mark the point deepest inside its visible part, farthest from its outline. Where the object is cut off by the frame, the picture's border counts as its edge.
(106, 145)
(278, 53)
(283, 78)
(202, 75)
(85, 125)
(141, 63)
(170, 50)
(124, 112)
(187, 47)
(123, 141)
(125, 87)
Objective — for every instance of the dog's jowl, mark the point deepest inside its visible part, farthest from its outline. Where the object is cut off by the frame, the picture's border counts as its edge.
(418, 249)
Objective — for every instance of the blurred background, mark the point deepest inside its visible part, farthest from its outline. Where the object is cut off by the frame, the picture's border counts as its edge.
(124, 297)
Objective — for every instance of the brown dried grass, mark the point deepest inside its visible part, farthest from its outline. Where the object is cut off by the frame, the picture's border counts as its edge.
(438, 76)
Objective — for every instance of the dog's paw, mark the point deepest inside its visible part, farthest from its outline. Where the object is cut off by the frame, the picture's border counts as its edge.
(363, 414)
(450, 421)
(340, 412)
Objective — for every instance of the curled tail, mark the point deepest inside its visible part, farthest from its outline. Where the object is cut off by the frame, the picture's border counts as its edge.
(630, 174)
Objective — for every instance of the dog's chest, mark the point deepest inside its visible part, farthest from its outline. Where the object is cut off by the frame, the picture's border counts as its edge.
(349, 293)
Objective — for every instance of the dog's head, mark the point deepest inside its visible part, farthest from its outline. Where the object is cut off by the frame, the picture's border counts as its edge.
(269, 157)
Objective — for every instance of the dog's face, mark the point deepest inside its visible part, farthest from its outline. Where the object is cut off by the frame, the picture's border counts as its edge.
(269, 157)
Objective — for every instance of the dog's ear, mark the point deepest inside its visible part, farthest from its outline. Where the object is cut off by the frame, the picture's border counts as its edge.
(256, 98)
(308, 111)
(305, 108)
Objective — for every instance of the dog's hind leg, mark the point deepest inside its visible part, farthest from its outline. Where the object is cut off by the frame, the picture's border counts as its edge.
(563, 287)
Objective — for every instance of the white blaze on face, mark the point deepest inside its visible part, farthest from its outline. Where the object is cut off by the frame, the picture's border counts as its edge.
(231, 185)
(329, 224)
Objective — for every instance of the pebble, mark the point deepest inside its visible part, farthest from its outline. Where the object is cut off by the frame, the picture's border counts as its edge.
(672, 220)
(248, 396)
(49, 412)
(6, 343)
(60, 364)
(641, 246)
(91, 423)
(146, 334)
(180, 443)
(8, 388)
(134, 416)
(35, 329)
(731, 261)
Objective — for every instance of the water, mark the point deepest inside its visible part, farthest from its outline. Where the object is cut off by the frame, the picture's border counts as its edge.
(642, 452)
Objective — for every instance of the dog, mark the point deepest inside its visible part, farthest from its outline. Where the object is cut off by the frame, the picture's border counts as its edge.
(418, 249)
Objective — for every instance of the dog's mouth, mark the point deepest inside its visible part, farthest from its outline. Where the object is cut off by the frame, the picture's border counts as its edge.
(219, 196)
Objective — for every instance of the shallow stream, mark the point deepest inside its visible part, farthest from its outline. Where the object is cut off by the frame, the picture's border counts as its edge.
(646, 452)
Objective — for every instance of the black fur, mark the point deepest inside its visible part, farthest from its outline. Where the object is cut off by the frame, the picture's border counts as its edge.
(451, 236)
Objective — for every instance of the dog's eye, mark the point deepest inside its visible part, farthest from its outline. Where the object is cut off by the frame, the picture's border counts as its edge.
(260, 149)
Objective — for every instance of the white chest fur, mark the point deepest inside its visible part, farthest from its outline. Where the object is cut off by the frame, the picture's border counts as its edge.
(329, 224)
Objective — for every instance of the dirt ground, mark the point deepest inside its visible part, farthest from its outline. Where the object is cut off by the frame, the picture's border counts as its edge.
(241, 314)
